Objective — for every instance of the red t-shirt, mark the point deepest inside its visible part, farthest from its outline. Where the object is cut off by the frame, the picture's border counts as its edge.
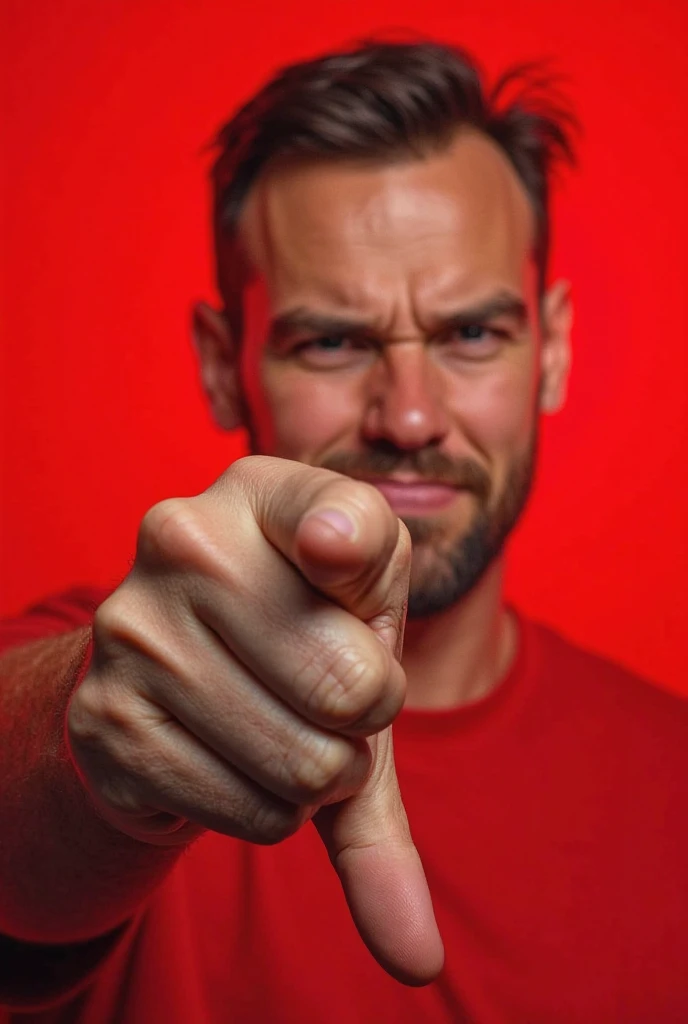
(552, 821)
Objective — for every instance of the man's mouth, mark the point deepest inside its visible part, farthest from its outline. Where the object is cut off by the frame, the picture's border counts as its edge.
(415, 497)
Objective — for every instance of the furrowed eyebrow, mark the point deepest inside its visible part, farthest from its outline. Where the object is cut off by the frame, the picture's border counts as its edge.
(499, 306)
(303, 320)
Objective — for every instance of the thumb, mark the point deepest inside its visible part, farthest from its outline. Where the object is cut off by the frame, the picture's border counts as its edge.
(369, 843)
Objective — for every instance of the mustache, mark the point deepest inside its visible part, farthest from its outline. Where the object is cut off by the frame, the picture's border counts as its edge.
(426, 464)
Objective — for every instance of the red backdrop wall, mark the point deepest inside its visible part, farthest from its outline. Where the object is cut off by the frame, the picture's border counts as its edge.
(110, 104)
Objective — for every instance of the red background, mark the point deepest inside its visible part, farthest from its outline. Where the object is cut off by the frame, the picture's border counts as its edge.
(110, 104)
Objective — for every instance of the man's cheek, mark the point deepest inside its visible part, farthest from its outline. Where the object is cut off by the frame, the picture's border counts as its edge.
(497, 417)
(284, 411)
(294, 420)
(259, 409)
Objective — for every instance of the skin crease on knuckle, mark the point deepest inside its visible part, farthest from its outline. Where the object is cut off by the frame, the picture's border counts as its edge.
(268, 824)
(355, 691)
(135, 656)
(145, 763)
(187, 778)
(313, 765)
(224, 799)
(216, 699)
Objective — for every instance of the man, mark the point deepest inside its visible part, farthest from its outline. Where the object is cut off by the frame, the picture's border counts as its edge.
(389, 336)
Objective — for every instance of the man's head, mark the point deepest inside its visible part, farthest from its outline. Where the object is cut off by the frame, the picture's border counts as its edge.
(382, 238)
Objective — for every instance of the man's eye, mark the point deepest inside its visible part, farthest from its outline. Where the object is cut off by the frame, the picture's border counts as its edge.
(329, 343)
(473, 342)
(474, 332)
(323, 345)
(332, 351)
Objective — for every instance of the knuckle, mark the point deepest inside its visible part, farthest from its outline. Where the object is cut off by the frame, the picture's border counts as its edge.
(122, 629)
(271, 823)
(112, 620)
(100, 735)
(343, 688)
(391, 702)
(244, 468)
(99, 717)
(167, 531)
(312, 767)
(241, 477)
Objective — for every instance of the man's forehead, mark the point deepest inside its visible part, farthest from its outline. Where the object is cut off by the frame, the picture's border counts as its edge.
(458, 213)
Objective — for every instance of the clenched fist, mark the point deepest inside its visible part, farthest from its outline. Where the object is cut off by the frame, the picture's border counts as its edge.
(244, 679)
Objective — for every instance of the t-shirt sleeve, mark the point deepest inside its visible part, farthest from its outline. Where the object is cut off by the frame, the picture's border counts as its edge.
(58, 613)
(35, 977)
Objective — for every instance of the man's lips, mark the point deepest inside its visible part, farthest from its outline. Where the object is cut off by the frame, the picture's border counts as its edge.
(416, 497)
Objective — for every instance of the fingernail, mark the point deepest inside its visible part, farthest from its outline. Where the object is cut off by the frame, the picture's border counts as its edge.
(337, 520)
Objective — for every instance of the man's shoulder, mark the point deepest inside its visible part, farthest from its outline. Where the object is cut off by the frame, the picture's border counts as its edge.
(588, 683)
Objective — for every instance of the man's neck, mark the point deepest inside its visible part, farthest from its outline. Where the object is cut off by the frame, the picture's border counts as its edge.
(462, 654)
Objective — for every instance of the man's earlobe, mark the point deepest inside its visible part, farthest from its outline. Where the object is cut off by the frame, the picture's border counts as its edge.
(218, 363)
(555, 357)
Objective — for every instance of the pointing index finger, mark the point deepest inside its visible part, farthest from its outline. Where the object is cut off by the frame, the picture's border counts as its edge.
(369, 843)
(340, 533)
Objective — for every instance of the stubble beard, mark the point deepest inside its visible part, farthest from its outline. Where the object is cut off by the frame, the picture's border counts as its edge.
(444, 570)
(447, 565)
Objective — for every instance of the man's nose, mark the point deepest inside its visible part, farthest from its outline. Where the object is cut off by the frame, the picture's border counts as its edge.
(406, 403)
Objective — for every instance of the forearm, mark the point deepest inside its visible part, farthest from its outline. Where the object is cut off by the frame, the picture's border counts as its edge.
(65, 874)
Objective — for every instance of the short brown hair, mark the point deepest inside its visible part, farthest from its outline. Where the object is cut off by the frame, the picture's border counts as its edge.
(388, 101)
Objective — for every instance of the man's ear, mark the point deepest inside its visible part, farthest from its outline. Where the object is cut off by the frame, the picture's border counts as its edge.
(218, 361)
(555, 357)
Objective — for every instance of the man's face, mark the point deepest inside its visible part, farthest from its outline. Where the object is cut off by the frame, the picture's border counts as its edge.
(391, 333)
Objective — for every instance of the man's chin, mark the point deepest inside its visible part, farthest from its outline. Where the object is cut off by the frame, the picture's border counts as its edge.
(431, 533)
(433, 585)
(445, 568)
